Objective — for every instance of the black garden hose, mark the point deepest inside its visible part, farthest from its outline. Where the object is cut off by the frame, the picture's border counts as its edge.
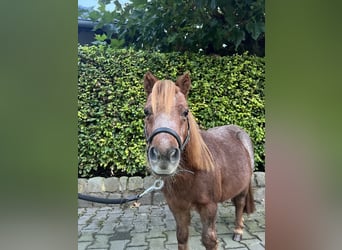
(106, 200)
(157, 185)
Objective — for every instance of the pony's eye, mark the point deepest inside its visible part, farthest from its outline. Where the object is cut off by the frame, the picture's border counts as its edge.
(147, 112)
(185, 113)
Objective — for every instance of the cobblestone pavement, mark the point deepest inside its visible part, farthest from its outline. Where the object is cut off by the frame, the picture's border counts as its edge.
(153, 227)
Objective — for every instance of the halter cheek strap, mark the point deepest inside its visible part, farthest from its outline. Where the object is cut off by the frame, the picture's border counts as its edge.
(170, 131)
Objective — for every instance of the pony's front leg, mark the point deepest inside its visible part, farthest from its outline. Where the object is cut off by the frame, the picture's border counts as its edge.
(182, 217)
(208, 217)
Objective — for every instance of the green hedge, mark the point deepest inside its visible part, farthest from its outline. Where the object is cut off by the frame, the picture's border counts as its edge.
(111, 97)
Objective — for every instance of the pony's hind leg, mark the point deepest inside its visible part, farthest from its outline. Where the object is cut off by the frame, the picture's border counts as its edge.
(239, 202)
(244, 202)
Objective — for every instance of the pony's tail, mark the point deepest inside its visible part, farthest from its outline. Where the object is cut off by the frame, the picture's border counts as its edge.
(250, 205)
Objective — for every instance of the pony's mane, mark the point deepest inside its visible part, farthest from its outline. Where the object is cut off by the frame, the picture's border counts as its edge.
(197, 152)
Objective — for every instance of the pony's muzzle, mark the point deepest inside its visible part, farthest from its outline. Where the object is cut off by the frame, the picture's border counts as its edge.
(171, 155)
(174, 155)
(153, 154)
(163, 162)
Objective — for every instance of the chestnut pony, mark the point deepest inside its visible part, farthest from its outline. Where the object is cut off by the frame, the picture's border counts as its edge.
(199, 168)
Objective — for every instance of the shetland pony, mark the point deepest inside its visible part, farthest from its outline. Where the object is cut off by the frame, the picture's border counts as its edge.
(199, 168)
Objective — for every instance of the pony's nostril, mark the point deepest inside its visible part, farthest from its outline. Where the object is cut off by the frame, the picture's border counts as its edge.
(153, 154)
(174, 155)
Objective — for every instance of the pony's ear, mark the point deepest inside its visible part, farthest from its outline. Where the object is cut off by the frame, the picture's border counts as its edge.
(184, 83)
(149, 81)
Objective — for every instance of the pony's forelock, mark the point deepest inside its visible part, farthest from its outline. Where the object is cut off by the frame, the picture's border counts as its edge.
(162, 96)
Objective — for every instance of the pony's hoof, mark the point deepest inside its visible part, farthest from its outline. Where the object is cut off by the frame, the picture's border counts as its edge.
(237, 237)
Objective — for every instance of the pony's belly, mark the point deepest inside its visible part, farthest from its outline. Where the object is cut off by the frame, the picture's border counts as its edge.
(233, 188)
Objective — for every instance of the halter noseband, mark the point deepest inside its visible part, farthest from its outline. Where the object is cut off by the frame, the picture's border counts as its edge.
(170, 132)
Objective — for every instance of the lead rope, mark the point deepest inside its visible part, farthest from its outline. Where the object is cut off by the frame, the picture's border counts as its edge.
(157, 185)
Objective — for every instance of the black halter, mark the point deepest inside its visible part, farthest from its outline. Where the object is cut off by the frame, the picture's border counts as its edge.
(169, 131)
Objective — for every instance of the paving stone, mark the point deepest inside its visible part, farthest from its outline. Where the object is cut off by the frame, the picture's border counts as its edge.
(91, 227)
(256, 247)
(101, 241)
(146, 199)
(142, 218)
(157, 220)
(81, 212)
(168, 215)
(112, 218)
(86, 236)
(138, 239)
(171, 237)
(124, 227)
(118, 244)
(171, 246)
(107, 229)
(153, 227)
(84, 219)
(195, 231)
(144, 209)
(115, 210)
(84, 204)
(221, 244)
(247, 235)
(140, 228)
(252, 226)
(156, 232)
(222, 228)
(129, 213)
(260, 235)
(157, 211)
(195, 243)
(261, 222)
(83, 245)
(170, 225)
(120, 234)
(137, 248)
(91, 210)
(156, 243)
(226, 211)
(158, 198)
(80, 227)
(253, 244)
